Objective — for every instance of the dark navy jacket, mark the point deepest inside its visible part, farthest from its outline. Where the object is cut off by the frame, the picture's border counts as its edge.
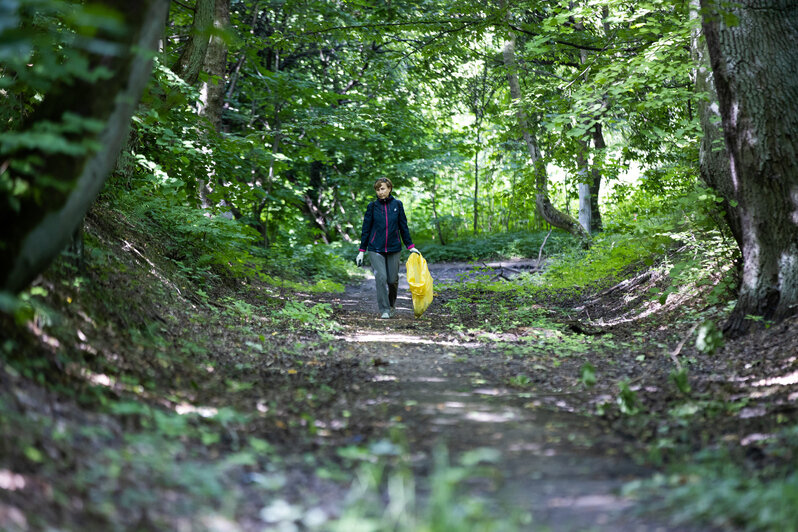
(384, 221)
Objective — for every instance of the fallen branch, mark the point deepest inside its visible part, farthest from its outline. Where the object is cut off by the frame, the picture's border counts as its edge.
(678, 349)
(540, 253)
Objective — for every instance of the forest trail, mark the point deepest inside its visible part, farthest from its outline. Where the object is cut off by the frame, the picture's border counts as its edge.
(445, 388)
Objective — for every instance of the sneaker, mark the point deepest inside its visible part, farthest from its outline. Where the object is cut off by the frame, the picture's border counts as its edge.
(385, 315)
(392, 312)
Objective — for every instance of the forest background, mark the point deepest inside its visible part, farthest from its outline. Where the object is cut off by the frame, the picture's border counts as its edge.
(246, 135)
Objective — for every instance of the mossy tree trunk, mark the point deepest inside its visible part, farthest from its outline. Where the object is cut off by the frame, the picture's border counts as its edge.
(66, 184)
(754, 60)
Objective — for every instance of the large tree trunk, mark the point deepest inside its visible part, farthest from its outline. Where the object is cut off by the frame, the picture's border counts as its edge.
(755, 66)
(33, 235)
(714, 160)
(189, 64)
(544, 207)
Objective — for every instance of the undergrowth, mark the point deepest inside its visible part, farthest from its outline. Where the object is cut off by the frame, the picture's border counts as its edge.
(713, 487)
(496, 246)
(207, 245)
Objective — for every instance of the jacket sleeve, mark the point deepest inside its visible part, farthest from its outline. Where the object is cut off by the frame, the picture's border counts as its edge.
(368, 218)
(403, 229)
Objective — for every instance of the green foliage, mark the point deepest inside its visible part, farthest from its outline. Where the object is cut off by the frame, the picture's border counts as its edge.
(520, 381)
(760, 320)
(679, 377)
(587, 374)
(627, 400)
(709, 338)
(715, 489)
(608, 257)
(45, 43)
(316, 317)
(26, 306)
(494, 246)
(448, 505)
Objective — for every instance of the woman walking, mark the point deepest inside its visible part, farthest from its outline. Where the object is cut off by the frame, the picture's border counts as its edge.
(384, 231)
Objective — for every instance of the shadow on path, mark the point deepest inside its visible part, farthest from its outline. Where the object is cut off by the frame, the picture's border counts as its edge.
(555, 463)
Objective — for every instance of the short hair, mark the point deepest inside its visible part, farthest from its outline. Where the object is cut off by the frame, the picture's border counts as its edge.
(382, 180)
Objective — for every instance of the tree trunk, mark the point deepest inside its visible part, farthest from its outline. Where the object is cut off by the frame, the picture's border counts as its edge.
(215, 65)
(585, 214)
(544, 207)
(714, 160)
(313, 198)
(189, 64)
(590, 183)
(34, 234)
(755, 67)
(583, 186)
(476, 186)
(596, 225)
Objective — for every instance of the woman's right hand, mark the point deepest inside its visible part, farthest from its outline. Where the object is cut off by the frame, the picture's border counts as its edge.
(359, 259)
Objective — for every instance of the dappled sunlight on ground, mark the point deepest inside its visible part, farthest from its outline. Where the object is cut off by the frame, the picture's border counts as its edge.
(784, 380)
(606, 502)
(399, 338)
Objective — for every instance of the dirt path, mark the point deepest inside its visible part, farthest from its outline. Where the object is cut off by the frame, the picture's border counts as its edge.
(554, 463)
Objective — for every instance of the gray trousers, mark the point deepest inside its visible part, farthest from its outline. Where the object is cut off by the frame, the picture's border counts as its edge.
(386, 274)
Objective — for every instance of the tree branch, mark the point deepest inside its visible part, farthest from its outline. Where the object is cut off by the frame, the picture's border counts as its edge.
(181, 4)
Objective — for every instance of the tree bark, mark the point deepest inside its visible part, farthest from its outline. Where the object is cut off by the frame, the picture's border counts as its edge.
(714, 160)
(755, 67)
(544, 207)
(585, 214)
(596, 225)
(212, 90)
(33, 235)
(215, 65)
(583, 185)
(189, 64)
(476, 186)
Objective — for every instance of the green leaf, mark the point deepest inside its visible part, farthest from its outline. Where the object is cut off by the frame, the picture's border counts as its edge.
(588, 374)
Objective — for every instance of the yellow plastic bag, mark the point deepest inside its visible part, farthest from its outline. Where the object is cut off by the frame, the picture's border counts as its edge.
(420, 281)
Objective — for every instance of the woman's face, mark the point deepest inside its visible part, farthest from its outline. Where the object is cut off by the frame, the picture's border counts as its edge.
(383, 191)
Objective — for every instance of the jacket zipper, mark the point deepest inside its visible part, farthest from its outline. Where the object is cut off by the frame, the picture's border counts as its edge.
(386, 227)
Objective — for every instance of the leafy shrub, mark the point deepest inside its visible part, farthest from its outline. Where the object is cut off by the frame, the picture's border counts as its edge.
(717, 491)
(495, 246)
